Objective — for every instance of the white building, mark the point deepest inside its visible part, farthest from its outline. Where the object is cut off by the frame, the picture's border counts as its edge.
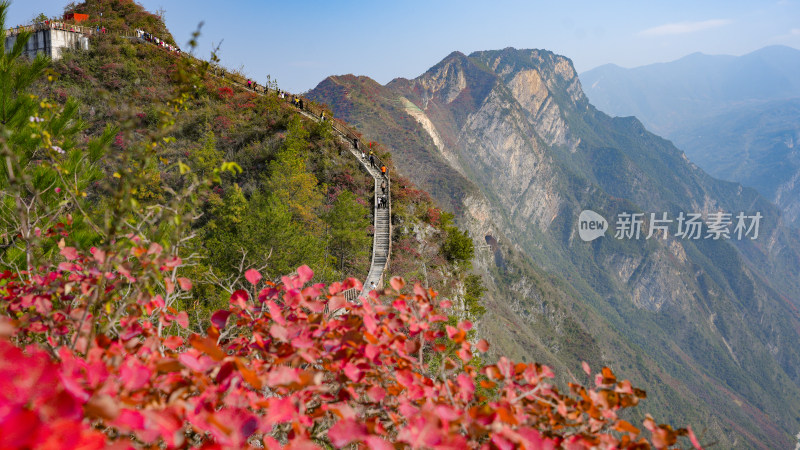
(50, 41)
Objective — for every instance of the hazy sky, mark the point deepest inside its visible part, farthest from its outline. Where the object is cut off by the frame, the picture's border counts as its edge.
(300, 42)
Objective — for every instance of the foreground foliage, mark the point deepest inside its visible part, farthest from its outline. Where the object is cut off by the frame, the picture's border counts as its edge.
(288, 364)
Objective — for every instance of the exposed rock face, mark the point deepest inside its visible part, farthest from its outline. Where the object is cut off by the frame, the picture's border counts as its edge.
(515, 127)
(787, 196)
(532, 89)
(501, 156)
(446, 82)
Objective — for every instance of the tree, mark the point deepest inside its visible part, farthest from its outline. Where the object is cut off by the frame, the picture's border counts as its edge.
(222, 232)
(45, 175)
(473, 291)
(39, 18)
(257, 232)
(278, 242)
(207, 158)
(291, 182)
(458, 247)
(347, 221)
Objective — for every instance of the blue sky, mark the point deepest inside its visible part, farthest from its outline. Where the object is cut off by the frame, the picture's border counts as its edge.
(300, 42)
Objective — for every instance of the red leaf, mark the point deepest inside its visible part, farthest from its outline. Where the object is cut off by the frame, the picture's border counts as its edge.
(252, 276)
(336, 302)
(170, 286)
(623, 426)
(501, 442)
(378, 443)
(279, 410)
(693, 438)
(134, 375)
(102, 406)
(397, 283)
(352, 371)
(451, 332)
(279, 332)
(130, 420)
(249, 375)
(376, 393)
(207, 346)
(532, 439)
(305, 273)
(99, 255)
(183, 319)
(155, 249)
(19, 428)
(283, 375)
(335, 288)
(466, 386)
(455, 334)
(346, 431)
(220, 318)
(185, 283)
(586, 368)
(69, 253)
(483, 346)
(276, 313)
(271, 444)
(193, 362)
(239, 298)
(173, 342)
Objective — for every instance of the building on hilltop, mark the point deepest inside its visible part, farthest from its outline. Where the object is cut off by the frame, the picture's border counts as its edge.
(50, 38)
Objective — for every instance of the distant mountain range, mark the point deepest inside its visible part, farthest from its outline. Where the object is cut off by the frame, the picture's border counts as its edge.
(736, 117)
(508, 141)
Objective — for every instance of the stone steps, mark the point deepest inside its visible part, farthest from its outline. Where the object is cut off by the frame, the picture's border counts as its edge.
(381, 241)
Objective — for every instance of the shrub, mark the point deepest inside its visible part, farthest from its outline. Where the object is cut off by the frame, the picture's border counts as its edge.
(284, 364)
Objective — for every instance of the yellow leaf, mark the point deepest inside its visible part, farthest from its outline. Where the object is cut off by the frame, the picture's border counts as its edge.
(623, 426)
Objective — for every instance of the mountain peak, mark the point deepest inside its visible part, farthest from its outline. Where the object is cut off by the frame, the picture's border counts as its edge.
(455, 74)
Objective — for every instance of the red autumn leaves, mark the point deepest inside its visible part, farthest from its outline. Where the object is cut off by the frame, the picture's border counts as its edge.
(278, 367)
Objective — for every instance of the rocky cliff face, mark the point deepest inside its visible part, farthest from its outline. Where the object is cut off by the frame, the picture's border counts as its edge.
(691, 320)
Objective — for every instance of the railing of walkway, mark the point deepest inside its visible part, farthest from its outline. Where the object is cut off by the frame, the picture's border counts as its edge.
(89, 31)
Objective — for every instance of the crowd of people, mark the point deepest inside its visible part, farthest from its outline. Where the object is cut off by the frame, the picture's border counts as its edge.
(155, 40)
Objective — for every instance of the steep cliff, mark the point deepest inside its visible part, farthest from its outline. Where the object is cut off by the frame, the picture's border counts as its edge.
(704, 324)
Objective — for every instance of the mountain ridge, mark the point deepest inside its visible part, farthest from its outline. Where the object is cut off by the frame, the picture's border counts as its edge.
(734, 116)
(535, 152)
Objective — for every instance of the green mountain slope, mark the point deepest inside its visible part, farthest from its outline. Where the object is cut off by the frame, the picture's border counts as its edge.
(299, 198)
